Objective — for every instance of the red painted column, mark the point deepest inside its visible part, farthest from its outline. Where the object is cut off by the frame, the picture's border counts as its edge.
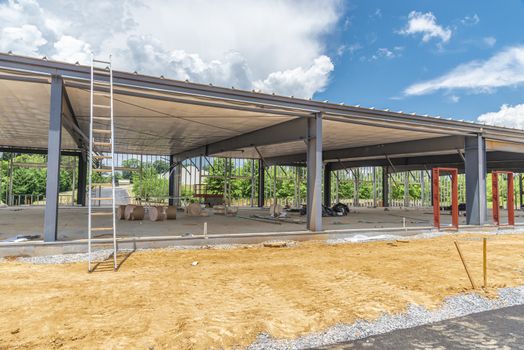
(454, 198)
(511, 200)
(436, 198)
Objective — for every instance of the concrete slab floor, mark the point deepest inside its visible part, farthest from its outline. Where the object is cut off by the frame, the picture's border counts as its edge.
(72, 222)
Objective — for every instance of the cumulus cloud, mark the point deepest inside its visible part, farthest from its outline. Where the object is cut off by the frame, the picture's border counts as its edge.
(505, 68)
(509, 116)
(299, 82)
(235, 42)
(470, 20)
(71, 49)
(25, 39)
(426, 24)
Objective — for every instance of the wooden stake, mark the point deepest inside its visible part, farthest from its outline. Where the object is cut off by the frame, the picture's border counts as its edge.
(484, 260)
(465, 266)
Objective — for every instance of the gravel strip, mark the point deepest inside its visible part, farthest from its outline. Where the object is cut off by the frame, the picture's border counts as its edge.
(414, 316)
(98, 255)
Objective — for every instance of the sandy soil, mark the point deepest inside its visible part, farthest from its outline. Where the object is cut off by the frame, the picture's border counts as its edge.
(159, 300)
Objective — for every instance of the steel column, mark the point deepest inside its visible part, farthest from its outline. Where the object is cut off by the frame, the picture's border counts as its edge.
(53, 159)
(374, 184)
(520, 191)
(261, 180)
(385, 187)
(356, 187)
(172, 179)
(476, 169)
(314, 173)
(496, 197)
(422, 189)
(82, 179)
(454, 196)
(10, 196)
(406, 189)
(327, 185)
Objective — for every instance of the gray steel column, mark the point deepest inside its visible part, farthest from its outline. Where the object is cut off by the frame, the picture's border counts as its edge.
(385, 187)
(422, 189)
(171, 180)
(476, 169)
(314, 173)
(53, 159)
(374, 173)
(406, 189)
(82, 179)
(10, 197)
(261, 181)
(327, 185)
(356, 187)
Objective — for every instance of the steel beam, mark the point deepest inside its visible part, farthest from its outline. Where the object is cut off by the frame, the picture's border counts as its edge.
(476, 169)
(495, 160)
(438, 144)
(82, 179)
(53, 159)
(314, 173)
(327, 185)
(292, 130)
(70, 123)
(30, 150)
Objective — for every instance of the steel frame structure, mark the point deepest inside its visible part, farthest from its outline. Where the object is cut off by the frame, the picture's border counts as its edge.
(496, 197)
(303, 122)
(454, 196)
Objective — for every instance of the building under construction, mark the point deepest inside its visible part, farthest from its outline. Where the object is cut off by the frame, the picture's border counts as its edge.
(202, 132)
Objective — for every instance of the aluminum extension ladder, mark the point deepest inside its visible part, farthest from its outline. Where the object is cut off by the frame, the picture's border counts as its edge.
(101, 150)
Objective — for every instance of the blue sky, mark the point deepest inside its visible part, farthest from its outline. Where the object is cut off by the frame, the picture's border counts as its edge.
(460, 59)
(479, 30)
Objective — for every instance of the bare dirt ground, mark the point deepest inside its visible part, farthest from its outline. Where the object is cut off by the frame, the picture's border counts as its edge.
(159, 300)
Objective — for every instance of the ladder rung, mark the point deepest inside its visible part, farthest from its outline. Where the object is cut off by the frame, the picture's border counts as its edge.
(101, 198)
(102, 118)
(101, 82)
(101, 106)
(101, 93)
(102, 131)
(100, 61)
(102, 214)
(102, 157)
(101, 229)
(97, 143)
(102, 170)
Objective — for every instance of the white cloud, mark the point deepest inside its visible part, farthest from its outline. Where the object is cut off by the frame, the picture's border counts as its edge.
(299, 82)
(426, 24)
(509, 116)
(384, 52)
(71, 49)
(505, 68)
(351, 49)
(207, 41)
(454, 98)
(489, 41)
(470, 20)
(25, 39)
